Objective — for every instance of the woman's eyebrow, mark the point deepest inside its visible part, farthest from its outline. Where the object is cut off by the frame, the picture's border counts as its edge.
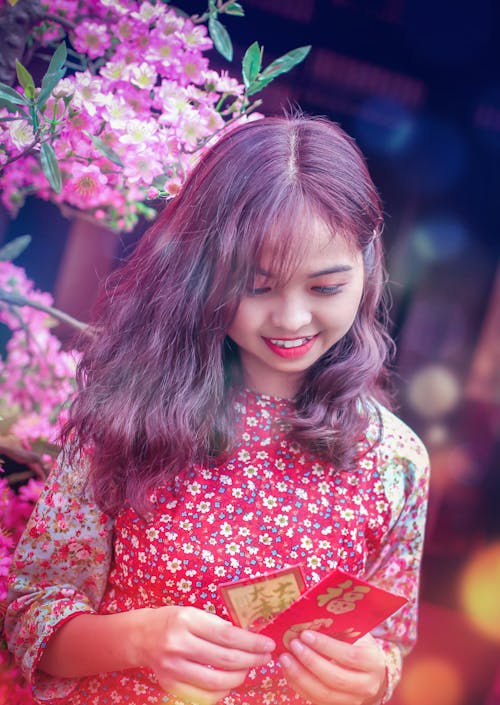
(331, 270)
(335, 269)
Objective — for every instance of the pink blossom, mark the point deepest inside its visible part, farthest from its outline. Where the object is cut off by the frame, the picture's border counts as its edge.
(91, 38)
(146, 77)
(84, 186)
(144, 168)
(143, 75)
(196, 37)
(149, 12)
(30, 492)
(139, 133)
(21, 133)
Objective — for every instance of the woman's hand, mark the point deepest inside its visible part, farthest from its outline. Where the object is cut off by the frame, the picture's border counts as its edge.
(195, 655)
(332, 672)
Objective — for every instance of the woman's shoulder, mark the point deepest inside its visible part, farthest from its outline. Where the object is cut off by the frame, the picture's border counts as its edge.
(396, 440)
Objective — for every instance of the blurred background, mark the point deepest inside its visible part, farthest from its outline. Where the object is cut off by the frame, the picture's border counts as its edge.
(417, 84)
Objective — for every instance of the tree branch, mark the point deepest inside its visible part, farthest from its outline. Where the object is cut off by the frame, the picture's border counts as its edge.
(66, 24)
(24, 153)
(18, 300)
(204, 141)
(221, 8)
(16, 22)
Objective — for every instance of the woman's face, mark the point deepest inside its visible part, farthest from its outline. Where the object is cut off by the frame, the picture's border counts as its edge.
(282, 329)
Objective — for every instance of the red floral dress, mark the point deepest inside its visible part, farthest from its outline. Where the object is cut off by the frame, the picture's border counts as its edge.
(268, 506)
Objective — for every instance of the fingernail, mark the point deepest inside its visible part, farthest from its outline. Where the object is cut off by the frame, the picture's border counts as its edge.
(296, 646)
(285, 660)
(308, 637)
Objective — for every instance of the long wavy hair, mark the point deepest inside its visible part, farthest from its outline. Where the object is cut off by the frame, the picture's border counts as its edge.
(157, 381)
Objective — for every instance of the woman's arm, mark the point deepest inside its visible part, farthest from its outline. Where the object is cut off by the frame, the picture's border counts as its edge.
(404, 470)
(59, 574)
(194, 654)
(59, 570)
(365, 673)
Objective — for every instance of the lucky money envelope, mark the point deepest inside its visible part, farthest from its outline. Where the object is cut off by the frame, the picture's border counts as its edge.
(277, 604)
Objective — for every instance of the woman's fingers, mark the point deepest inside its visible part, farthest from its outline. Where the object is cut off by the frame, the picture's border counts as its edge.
(364, 655)
(200, 657)
(328, 672)
(201, 676)
(219, 631)
(332, 672)
(309, 686)
(210, 640)
(226, 658)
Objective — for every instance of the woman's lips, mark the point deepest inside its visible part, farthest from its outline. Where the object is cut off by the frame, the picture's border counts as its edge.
(290, 348)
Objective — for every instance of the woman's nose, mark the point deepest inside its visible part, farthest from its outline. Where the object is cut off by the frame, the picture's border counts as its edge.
(291, 314)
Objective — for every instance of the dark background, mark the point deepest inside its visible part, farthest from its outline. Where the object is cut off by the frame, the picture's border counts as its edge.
(417, 84)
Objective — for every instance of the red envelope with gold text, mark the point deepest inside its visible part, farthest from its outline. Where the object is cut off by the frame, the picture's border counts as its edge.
(277, 604)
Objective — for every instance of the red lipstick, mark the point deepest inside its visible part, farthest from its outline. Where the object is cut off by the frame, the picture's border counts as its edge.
(292, 352)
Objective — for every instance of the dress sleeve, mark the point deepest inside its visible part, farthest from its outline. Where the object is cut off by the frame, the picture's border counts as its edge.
(395, 564)
(59, 570)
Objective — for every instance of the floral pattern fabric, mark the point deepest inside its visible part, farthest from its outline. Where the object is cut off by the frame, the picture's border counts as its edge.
(270, 505)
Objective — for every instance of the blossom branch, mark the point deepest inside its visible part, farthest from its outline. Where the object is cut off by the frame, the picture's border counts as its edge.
(59, 19)
(27, 150)
(234, 119)
(221, 7)
(69, 212)
(18, 300)
(13, 448)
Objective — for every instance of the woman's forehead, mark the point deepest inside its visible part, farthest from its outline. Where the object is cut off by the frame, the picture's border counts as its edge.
(312, 246)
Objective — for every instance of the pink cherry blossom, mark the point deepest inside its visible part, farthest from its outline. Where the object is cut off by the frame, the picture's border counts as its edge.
(91, 38)
(146, 75)
(86, 186)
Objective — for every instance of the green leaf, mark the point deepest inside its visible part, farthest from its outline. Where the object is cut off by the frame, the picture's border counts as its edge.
(11, 107)
(235, 9)
(9, 94)
(13, 249)
(50, 166)
(251, 63)
(221, 38)
(259, 84)
(55, 72)
(26, 80)
(106, 150)
(178, 11)
(286, 62)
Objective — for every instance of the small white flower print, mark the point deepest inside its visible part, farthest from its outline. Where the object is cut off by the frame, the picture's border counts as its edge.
(306, 542)
(184, 585)
(233, 548)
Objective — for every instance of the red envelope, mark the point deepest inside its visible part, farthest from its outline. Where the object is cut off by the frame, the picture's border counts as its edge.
(253, 602)
(340, 605)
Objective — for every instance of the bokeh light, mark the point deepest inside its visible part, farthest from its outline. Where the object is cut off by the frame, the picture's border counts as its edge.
(451, 464)
(439, 237)
(436, 435)
(431, 681)
(480, 590)
(433, 391)
(384, 125)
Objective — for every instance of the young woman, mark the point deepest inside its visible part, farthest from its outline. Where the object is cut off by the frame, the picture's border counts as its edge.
(230, 421)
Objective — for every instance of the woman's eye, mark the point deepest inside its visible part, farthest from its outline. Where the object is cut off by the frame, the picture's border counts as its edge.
(327, 290)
